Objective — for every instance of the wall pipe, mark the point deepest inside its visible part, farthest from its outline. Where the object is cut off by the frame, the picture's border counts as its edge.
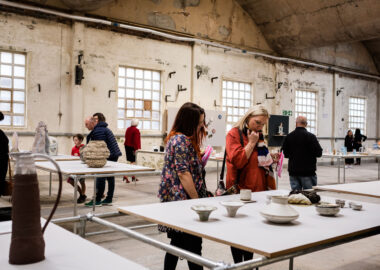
(186, 39)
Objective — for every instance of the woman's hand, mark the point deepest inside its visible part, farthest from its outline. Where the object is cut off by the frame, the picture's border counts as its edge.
(275, 157)
(253, 137)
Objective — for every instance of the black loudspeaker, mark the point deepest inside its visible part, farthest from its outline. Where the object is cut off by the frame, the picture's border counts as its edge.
(78, 75)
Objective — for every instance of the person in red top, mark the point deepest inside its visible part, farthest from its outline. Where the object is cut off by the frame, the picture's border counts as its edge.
(78, 139)
(132, 143)
(248, 162)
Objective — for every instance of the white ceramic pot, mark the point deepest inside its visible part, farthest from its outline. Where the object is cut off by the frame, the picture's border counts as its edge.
(203, 211)
(279, 211)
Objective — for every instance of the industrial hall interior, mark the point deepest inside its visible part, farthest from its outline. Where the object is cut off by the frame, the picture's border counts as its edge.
(190, 134)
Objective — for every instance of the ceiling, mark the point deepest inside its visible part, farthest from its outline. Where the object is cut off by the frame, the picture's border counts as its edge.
(299, 24)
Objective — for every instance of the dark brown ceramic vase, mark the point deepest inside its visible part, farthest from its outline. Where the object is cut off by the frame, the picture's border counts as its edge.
(27, 244)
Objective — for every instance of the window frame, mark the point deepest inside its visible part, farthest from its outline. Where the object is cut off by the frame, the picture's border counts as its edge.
(12, 90)
(223, 106)
(160, 98)
(305, 113)
(363, 130)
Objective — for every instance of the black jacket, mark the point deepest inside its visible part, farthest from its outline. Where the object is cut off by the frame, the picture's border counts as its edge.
(349, 143)
(3, 145)
(302, 148)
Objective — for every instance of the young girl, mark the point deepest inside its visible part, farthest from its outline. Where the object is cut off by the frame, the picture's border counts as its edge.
(78, 139)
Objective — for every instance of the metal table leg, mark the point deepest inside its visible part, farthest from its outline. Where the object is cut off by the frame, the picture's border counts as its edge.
(94, 196)
(75, 201)
(338, 170)
(217, 172)
(50, 183)
(378, 168)
(291, 263)
(344, 172)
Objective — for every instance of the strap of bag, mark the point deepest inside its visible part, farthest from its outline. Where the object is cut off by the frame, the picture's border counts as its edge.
(224, 160)
(9, 170)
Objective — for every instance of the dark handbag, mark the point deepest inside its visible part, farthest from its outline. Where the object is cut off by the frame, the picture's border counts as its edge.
(204, 192)
(234, 189)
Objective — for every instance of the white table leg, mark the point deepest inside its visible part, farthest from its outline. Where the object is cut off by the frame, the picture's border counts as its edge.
(217, 172)
(344, 172)
(94, 196)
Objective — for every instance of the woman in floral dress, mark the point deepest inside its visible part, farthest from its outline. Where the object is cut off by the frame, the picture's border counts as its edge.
(181, 177)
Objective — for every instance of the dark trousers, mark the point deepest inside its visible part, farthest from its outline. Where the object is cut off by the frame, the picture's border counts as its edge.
(240, 255)
(101, 185)
(184, 241)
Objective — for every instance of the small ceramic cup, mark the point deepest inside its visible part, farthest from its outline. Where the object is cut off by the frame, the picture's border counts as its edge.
(245, 194)
(341, 203)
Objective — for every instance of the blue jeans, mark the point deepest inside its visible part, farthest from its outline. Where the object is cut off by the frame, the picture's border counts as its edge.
(101, 186)
(302, 182)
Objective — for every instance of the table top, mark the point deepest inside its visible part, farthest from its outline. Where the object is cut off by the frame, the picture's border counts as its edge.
(77, 167)
(56, 158)
(213, 158)
(65, 250)
(371, 189)
(357, 155)
(251, 232)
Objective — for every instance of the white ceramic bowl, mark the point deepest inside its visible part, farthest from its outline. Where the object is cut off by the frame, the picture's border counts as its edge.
(232, 207)
(328, 209)
(357, 207)
(279, 219)
(203, 211)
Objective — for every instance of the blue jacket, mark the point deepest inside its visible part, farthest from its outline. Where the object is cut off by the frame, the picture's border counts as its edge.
(102, 133)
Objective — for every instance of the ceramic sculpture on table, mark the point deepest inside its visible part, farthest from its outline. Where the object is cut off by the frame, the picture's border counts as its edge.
(53, 146)
(95, 154)
(279, 211)
(41, 139)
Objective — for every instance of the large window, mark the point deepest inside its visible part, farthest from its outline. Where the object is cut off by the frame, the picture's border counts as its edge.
(139, 96)
(357, 114)
(306, 105)
(236, 100)
(12, 88)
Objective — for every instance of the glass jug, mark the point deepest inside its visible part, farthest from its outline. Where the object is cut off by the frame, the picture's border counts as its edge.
(27, 243)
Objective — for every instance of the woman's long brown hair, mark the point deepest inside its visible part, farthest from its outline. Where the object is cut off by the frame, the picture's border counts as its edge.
(186, 123)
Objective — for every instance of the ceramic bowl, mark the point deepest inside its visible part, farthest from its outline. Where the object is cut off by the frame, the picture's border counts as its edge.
(356, 206)
(328, 209)
(279, 219)
(203, 211)
(279, 211)
(232, 207)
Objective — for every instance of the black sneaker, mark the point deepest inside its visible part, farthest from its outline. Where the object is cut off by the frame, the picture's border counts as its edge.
(107, 201)
(81, 199)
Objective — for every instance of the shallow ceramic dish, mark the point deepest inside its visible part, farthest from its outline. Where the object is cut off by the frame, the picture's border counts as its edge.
(328, 209)
(357, 207)
(279, 219)
(203, 211)
(232, 207)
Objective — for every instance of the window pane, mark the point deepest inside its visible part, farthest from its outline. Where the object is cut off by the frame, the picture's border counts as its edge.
(138, 113)
(5, 82)
(139, 94)
(130, 103)
(130, 93)
(5, 107)
(156, 86)
(147, 85)
(139, 73)
(121, 72)
(156, 96)
(121, 92)
(147, 74)
(146, 114)
(120, 113)
(155, 106)
(6, 121)
(130, 113)
(156, 76)
(139, 84)
(146, 124)
(130, 72)
(5, 95)
(155, 125)
(19, 59)
(18, 108)
(130, 83)
(147, 95)
(6, 70)
(121, 82)
(18, 120)
(6, 57)
(121, 103)
(120, 124)
(19, 96)
(139, 104)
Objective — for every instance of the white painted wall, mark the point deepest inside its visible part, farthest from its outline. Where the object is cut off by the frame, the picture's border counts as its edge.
(52, 49)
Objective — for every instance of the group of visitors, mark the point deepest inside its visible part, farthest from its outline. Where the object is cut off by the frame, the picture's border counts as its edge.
(353, 142)
(99, 130)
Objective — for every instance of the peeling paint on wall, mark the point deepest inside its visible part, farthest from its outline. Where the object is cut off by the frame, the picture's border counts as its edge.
(161, 20)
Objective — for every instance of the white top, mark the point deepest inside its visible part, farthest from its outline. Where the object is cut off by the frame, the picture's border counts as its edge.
(371, 189)
(77, 167)
(65, 250)
(250, 231)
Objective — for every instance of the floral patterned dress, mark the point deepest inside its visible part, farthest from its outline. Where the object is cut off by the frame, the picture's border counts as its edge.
(180, 157)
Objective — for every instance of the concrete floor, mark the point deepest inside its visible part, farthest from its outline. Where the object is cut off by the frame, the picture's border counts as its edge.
(363, 254)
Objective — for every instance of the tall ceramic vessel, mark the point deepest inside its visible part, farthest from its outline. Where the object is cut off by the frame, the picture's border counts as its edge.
(27, 243)
(95, 154)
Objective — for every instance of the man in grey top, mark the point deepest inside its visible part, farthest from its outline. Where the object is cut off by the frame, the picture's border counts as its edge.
(302, 148)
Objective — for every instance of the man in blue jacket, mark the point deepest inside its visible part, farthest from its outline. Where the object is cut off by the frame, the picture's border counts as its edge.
(102, 133)
(302, 148)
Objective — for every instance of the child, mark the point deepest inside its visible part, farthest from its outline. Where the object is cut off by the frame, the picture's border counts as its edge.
(78, 139)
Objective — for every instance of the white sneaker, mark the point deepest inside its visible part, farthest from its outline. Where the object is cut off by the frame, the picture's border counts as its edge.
(346, 166)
